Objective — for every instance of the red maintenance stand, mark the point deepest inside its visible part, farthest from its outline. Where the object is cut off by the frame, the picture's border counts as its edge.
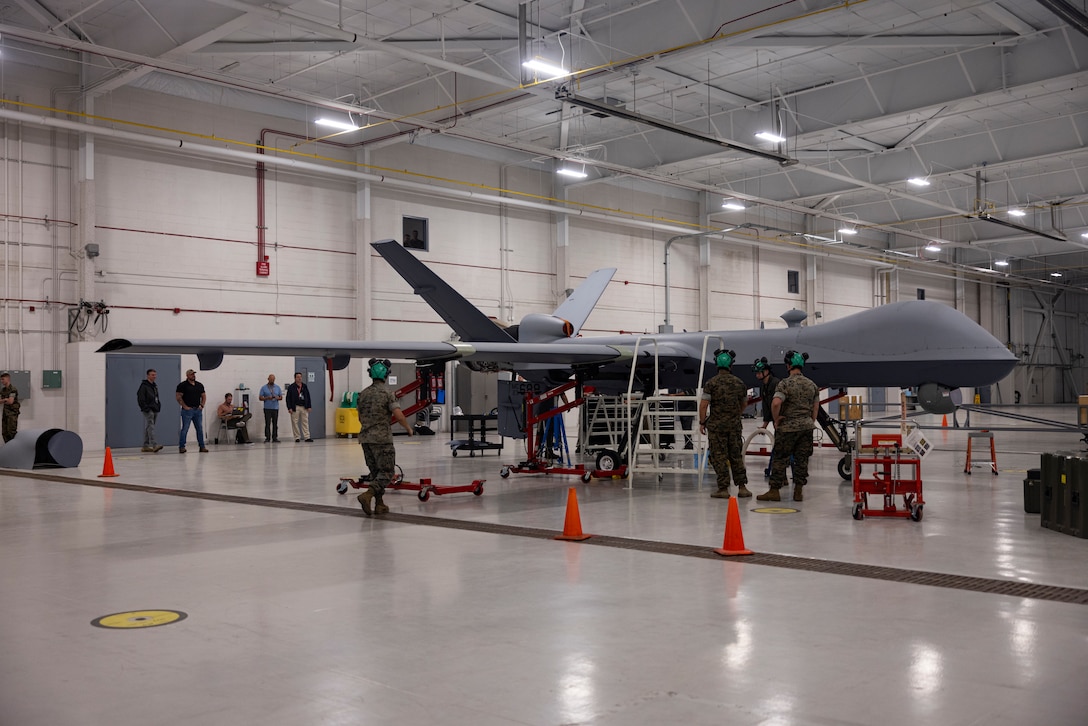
(886, 479)
(423, 486)
(539, 464)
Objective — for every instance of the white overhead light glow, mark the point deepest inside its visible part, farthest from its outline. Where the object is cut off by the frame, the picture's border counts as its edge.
(768, 136)
(548, 70)
(572, 172)
(847, 230)
(732, 204)
(333, 123)
(918, 181)
(933, 247)
(1017, 212)
(1055, 274)
(1084, 235)
(1002, 263)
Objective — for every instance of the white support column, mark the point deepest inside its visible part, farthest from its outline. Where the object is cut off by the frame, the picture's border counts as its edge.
(812, 290)
(364, 302)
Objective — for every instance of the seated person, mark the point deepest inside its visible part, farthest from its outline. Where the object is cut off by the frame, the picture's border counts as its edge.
(234, 417)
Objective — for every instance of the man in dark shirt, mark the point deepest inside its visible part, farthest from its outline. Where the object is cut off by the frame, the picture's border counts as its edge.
(147, 397)
(190, 395)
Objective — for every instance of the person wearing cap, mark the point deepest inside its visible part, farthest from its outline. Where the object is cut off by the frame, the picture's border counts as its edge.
(191, 397)
(377, 406)
(9, 397)
(271, 394)
(720, 408)
(795, 405)
(147, 398)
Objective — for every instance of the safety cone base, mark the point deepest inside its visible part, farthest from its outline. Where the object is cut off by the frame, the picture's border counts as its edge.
(102, 475)
(733, 553)
(572, 537)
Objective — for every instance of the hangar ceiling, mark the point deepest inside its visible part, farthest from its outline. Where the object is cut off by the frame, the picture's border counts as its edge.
(985, 102)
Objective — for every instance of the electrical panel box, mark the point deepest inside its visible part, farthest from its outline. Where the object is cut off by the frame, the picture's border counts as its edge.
(50, 379)
(21, 381)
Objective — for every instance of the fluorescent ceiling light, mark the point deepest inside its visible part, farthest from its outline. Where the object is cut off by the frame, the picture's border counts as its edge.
(933, 247)
(572, 172)
(546, 69)
(1055, 274)
(733, 204)
(768, 136)
(1017, 212)
(1002, 263)
(342, 125)
(918, 181)
(1084, 235)
(847, 230)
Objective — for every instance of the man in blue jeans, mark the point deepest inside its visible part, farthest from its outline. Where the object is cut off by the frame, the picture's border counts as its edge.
(271, 395)
(190, 395)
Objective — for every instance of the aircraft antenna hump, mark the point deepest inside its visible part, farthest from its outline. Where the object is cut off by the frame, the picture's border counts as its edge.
(794, 317)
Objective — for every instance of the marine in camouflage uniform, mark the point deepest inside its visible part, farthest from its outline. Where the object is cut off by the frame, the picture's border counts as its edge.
(796, 401)
(726, 396)
(9, 396)
(376, 406)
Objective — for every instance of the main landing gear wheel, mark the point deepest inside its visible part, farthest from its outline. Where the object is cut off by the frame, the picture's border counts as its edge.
(845, 465)
(504, 472)
(608, 460)
(856, 513)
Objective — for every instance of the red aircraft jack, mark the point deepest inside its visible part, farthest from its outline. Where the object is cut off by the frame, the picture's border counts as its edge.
(538, 464)
(424, 487)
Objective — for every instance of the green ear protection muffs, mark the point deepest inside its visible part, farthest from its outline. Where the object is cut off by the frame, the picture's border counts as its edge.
(761, 364)
(379, 368)
(795, 359)
(724, 358)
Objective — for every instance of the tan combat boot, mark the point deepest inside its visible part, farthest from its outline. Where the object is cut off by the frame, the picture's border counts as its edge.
(742, 492)
(722, 493)
(771, 495)
(364, 501)
(379, 505)
(797, 494)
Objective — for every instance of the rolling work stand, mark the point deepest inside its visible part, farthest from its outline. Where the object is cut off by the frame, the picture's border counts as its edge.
(424, 487)
(539, 461)
(477, 433)
(886, 480)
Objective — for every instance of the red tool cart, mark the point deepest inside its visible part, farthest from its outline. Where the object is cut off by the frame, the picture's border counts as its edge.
(423, 486)
(884, 470)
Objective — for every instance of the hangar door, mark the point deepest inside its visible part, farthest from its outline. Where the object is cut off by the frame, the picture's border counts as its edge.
(124, 422)
(313, 375)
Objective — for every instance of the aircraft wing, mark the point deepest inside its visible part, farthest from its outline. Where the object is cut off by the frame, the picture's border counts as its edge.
(577, 307)
(210, 352)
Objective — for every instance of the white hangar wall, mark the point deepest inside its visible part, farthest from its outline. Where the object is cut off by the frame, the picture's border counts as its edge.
(178, 230)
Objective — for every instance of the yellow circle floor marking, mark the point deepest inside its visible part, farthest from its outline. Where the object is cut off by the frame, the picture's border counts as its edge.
(775, 510)
(139, 619)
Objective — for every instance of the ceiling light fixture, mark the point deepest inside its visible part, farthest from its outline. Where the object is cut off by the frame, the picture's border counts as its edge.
(1017, 213)
(548, 71)
(845, 229)
(918, 181)
(933, 247)
(768, 136)
(1084, 235)
(572, 171)
(348, 125)
(1001, 263)
(732, 204)
(1055, 274)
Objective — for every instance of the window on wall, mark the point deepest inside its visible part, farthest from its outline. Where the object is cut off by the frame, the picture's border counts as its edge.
(793, 282)
(415, 233)
(921, 293)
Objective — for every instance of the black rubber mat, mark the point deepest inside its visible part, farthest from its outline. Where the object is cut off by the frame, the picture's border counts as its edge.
(875, 572)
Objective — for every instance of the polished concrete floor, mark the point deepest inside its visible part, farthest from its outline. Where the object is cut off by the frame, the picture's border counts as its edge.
(317, 615)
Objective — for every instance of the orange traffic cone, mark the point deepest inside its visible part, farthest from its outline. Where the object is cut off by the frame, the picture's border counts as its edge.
(107, 466)
(734, 538)
(572, 526)
(944, 421)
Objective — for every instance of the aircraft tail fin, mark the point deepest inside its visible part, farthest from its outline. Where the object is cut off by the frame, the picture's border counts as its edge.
(580, 303)
(465, 318)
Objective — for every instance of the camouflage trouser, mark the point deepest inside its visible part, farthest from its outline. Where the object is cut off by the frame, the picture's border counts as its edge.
(797, 444)
(381, 459)
(727, 453)
(11, 425)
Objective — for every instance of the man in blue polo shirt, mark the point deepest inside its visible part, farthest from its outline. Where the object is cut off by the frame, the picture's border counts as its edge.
(271, 394)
